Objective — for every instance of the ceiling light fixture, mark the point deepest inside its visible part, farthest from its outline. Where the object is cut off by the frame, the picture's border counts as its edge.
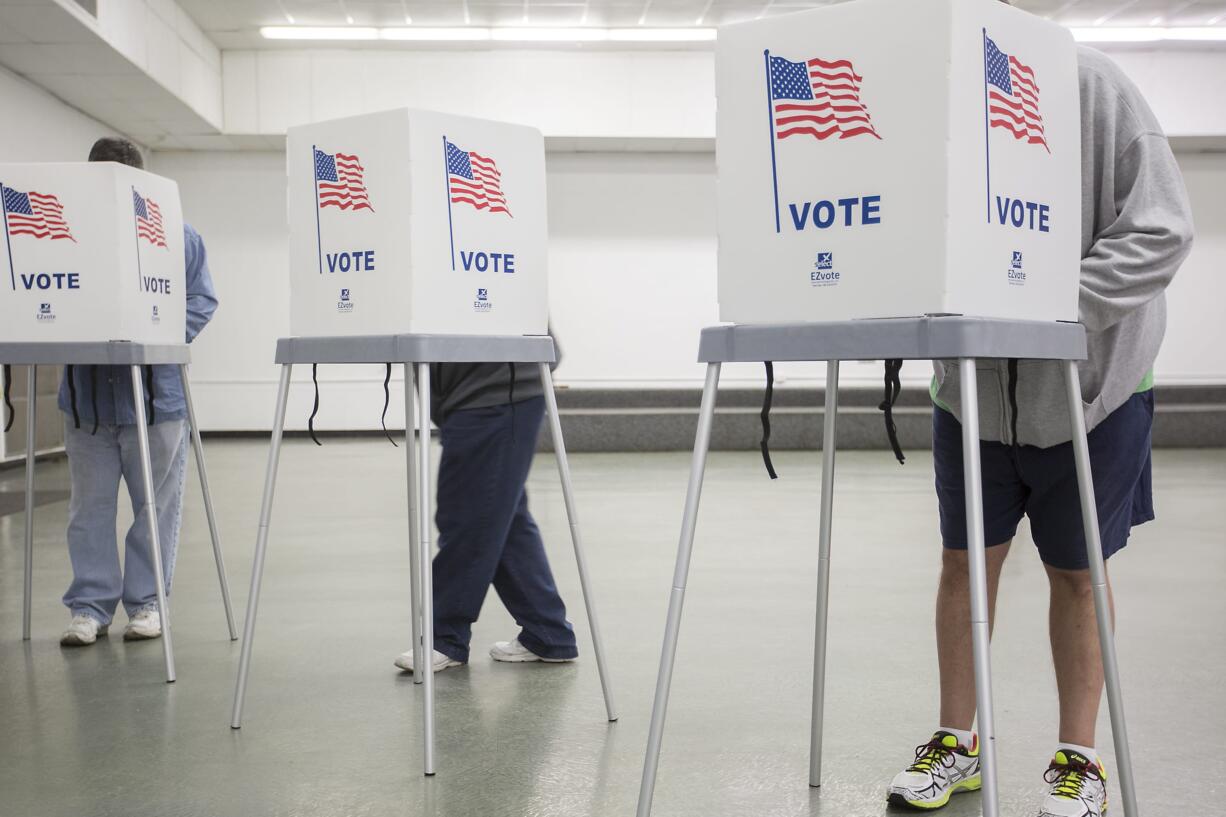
(508, 34)
(1153, 34)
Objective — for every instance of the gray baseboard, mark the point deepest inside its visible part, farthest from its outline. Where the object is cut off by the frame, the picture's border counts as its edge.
(665, 420)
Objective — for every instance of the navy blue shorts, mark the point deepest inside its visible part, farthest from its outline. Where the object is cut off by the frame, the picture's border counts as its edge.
(1042, 484)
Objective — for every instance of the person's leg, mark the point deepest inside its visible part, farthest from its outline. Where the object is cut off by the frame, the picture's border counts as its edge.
(168, 458)
(955, 654)
(525, 584)
(1076, 653)
(480, 481)
(93, 469)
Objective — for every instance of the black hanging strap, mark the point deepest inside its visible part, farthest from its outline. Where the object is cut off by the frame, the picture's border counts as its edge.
(893, 387)
(149, 394)
(8, 396)
(314, 408)
(387, 399)
(93, 396)
(72, 395)
(1013, 398)
(511, 398)
(766, 419)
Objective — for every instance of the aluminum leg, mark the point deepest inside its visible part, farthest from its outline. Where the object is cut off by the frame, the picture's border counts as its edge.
(559, 447)
(684, 549)
(823, 571)
(261, 546)
(410, 453)
(425, 658)
(202, 470)
(981, 634)
(1098, 580)
(151, 513)
(31, 414)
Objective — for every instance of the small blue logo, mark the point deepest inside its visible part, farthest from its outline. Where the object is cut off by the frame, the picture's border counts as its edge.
(44, 309)
(483, 295)
(344, 295)
(155, 310)
(825, 260)
(1017, 260)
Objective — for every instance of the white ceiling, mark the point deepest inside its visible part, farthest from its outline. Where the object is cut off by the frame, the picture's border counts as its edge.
(234, 23)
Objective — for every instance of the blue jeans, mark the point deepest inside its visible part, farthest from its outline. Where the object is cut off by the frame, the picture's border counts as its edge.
(487, 536)
(95, 464)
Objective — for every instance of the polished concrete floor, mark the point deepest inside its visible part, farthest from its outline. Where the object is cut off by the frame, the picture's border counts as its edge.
(332, 729)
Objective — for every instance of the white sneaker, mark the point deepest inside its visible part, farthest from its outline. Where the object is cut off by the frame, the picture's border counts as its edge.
(147, 623)
(941, 769)
(1078, 787)
(82, 631)
(441, 662)
(512, 652)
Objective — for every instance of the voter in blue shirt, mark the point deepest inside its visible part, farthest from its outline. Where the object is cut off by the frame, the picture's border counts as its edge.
(101, 441)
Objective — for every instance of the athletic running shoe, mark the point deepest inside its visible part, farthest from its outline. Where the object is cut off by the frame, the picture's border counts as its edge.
(941, 769)
(512, 652)
(404, 661)
(82, 631)
(143, 625)
(1078, 787)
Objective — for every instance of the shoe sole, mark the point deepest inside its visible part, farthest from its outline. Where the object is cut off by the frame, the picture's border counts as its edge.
(528, 659)
(129, 635)
(895, 799)
(437, 670)
(77, 641)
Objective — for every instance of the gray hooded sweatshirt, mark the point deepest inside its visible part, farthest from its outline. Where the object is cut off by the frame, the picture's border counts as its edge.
(1136, 231)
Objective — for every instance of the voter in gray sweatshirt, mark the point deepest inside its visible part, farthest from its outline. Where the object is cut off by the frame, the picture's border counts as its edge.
(1136, 231)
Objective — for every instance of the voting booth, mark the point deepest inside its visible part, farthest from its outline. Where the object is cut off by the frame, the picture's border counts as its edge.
(93, 252)
(417, 222)
(898, 181)
(883, 159)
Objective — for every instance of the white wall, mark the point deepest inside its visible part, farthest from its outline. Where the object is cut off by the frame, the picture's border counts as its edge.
(632, 264)
(47, 129)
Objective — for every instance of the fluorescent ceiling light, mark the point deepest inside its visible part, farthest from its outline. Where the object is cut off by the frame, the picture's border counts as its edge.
(509, 34)
(1153, 34)
(319, 33)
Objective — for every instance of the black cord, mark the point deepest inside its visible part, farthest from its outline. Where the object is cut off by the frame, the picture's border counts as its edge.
(93, 396)
(314, 408)
(766, 419)
(72, 395)
(8, 396)
(387, 400)
(1013, 397)
(893, 387)
(150, 395)
(511, 398)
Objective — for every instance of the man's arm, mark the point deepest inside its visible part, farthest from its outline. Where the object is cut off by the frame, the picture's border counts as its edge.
(201, 297)
(1134, 258)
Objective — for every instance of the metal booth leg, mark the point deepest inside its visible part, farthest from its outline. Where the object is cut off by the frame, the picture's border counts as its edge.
(559, 447)
(981, 634)
(1098, 581)
(410, 453)
(261, 546)
(426, 581)
(829, 415)
(31, 414)
(684, 548)
(202, 470)
(151, 513)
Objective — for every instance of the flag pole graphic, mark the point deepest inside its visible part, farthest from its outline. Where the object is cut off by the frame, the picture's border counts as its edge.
(447, 187)
(987, 138)
(8, 242)
(770, 110)
(319, 244)
(136, 228)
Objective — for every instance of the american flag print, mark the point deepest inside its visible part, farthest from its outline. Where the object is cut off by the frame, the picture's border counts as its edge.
(37, 214)
(818, 98)
(339, 181)
(475, 179)
(148, 219)
(1013, 96)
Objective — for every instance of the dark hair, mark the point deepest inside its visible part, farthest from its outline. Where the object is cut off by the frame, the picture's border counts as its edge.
(108, 149)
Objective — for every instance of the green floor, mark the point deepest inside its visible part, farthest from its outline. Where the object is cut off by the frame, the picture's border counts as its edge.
(332, 729)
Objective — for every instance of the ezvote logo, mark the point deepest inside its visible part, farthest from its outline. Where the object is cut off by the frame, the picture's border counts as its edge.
(820, 99)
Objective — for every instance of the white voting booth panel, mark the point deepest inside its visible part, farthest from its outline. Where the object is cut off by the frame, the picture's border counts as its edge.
(888, 158)
(417, 222)
(92, 252)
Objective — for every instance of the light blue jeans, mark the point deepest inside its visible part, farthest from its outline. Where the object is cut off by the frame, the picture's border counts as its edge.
(95, 464)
